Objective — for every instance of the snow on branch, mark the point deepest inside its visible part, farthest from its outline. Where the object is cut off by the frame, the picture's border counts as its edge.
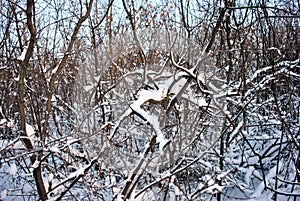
(284, 67)
(23, 54)
(75, 176)
(144, 95)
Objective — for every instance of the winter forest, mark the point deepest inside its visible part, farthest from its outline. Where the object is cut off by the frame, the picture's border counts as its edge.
(150, 100)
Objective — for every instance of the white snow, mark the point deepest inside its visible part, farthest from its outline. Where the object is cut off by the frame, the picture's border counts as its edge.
(208, 179)
(276, 49)
(115, 189)
(3, 67)
(23, 54)
(53, 99)
(223, 175)
(146, 95)
(50, 177)
(248, 175)
(237, 129)
(27, 188)
(97, 78)
(260, 188)
(120, 197)
(54, 70)
(87, 88)
(257, 174)
(145, 196)
(202, 102)
(60, 55)
(77, 173)
(17, 78)
(19, 145)
(3, 121)
(12, 170)
(177, 85)
(143, 97)
(71, 140)
(29, 130)
(35, 164)
(55, 149)
(215, 188)
(53, 198)
(4, 194)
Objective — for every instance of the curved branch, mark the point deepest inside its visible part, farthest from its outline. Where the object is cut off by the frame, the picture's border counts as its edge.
(61, 67)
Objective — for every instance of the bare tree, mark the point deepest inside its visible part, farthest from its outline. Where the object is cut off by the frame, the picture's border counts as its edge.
(172, 100)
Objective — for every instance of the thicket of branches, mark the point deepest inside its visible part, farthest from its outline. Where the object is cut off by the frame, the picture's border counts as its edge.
(142, 100)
